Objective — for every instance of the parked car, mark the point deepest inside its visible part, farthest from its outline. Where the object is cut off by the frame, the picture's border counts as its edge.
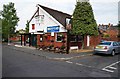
(108, 47)
(119, 43)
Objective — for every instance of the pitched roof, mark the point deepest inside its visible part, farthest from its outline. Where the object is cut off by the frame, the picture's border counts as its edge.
(114, 28)
(58, 15)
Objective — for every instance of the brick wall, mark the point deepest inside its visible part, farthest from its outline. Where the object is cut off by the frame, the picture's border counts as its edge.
(113, 35)
(95, 40)
(47, 40)
(17, 38)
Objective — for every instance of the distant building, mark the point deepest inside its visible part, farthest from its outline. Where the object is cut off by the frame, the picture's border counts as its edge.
(108, 32)
(21, 31)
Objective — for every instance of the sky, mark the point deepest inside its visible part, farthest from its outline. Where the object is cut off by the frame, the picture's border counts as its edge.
(119, 11)
(105, 11)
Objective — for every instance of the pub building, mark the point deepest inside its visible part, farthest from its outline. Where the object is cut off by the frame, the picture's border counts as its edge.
(49, 27)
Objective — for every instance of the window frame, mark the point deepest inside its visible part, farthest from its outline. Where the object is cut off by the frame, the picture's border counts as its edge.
(56, 38)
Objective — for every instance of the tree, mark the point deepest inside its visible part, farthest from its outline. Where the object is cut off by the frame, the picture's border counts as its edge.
(83, 22)
(9, 20)
(0, 29)
(27, 27)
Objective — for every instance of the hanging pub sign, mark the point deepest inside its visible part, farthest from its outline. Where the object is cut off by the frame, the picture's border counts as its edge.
(53, 29)
(39, 19)
(68, 23)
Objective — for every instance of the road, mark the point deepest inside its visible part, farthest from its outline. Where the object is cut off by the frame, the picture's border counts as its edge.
(20, 64)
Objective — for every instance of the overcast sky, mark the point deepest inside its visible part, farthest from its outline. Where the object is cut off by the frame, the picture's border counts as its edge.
(119, 11)
(105, 11)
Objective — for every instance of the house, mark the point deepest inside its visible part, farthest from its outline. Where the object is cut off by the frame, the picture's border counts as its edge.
(49, 27)
(109, 32)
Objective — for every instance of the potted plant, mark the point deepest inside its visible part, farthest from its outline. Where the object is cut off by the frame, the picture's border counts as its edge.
(52, 40)
(62, 47)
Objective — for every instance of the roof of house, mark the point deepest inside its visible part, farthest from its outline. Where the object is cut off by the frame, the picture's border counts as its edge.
(105, 29)
(114, 28)
(58, 15)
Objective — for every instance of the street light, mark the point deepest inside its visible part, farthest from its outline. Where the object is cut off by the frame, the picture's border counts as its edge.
(68, 27)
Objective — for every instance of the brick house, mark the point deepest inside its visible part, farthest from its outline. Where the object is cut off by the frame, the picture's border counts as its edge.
(49, 27)
(109, 32)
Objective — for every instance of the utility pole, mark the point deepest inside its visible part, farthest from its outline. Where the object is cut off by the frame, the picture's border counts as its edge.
(68, 41)
(68, 27)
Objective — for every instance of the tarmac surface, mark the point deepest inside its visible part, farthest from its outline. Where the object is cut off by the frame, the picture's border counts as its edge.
(57, 56)
(79, 64)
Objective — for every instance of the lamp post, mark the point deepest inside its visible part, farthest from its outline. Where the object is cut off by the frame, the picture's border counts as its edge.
(68, 27)
(68, 41)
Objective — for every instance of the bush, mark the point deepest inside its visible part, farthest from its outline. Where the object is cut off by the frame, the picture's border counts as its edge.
(106, 36)
(62, 47)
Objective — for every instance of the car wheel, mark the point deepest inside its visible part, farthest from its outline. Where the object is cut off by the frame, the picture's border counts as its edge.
(113, 53)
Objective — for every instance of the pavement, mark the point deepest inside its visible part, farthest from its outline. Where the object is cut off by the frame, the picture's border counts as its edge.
(55, 56)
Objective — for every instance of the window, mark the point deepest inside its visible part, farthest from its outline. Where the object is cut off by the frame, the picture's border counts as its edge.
(105, 43)
(74, 38)
(41, 38)
(33, 26)
(59, 38)
(115, 44)
(80, 38)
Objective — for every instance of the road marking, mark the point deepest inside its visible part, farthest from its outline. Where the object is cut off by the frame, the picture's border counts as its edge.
(79, 64)
(107, 70)
(82, 65)
(114, 63)
(18, 46)
(112, 67)
(109, 67)
(69, 62)
(82, 55)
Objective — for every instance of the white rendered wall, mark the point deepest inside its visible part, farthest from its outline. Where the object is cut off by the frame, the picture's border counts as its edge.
(48, 21)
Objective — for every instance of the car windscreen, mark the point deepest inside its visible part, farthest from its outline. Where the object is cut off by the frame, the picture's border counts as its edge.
(105, 43)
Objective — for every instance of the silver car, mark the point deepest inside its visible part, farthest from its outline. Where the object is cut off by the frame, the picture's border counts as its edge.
(108, 47)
